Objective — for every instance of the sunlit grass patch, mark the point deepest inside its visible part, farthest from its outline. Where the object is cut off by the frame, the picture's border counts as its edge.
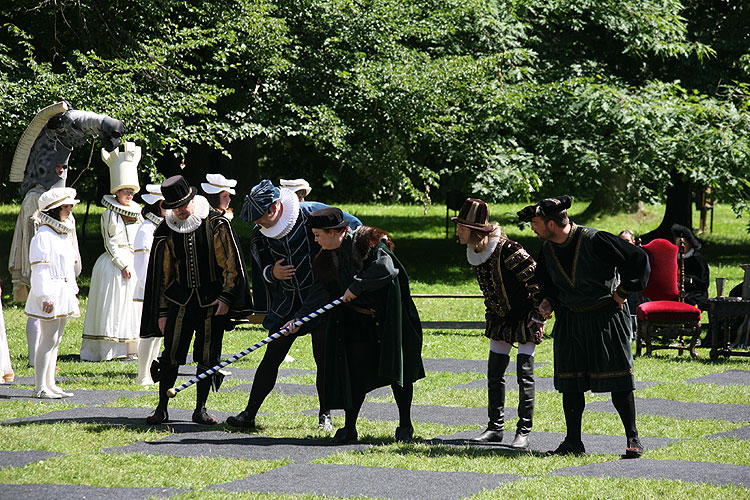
(611, 488)
(136, 470)
(20, 409)
(72, 437)
(720, 450)
(419, 456)
(699, 393)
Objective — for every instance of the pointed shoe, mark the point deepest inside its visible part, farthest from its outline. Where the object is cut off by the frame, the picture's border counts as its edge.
(345, 435)
(634, 449)
(243, 420)
(521, 441)
(568, 448)
(47, 394)
(404, 434)
(158, 417)
(202, 417)
(489, 436)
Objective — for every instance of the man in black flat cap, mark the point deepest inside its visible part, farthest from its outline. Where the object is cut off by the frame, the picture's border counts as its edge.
(375, 338)
(585, 276)
(196, 283)
(695, 266)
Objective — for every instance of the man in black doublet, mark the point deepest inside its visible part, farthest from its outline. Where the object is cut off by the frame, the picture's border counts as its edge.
(196, 283)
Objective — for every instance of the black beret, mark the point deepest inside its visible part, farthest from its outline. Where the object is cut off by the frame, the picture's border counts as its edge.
(327, 218)
(545, 208)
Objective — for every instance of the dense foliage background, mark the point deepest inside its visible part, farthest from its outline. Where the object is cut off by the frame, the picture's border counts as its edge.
(611, 101)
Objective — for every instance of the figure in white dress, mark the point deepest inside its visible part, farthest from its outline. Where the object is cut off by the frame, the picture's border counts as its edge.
(110, 330)
(52, 297)
(6, 370)
(153, 214)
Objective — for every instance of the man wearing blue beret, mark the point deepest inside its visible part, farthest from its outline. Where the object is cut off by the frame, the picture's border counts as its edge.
(283, 248)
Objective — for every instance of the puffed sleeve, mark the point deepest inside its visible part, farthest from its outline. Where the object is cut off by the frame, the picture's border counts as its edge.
(523, 267)
(630, 260)
(228, 258)
(39, 256)
(112, 233)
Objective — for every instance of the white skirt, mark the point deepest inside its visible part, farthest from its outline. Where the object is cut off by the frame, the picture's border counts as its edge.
(109, 330)
(64, 301)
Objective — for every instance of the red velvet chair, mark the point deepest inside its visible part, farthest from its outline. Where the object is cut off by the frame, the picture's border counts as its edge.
(666, 317)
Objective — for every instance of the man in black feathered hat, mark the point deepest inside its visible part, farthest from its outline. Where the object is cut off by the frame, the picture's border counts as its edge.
(695, 266)
(585, 276)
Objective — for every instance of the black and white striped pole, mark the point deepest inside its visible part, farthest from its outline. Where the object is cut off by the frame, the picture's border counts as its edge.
(173, 392)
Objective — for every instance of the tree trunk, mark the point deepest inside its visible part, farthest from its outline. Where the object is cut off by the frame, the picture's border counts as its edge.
(679, 209)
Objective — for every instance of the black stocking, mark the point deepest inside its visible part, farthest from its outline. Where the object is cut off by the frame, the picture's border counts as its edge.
(573, 405)
(403, 396)
(625, 405)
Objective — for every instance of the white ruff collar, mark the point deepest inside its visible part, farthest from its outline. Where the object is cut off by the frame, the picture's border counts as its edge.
(154, 218)
(288, 218)
(193, 221)
(228, 214)
(59, 227)
(477, 258)
(110, 202)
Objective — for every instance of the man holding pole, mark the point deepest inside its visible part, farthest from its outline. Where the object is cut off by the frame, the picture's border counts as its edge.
(283, 247)
(196, 283)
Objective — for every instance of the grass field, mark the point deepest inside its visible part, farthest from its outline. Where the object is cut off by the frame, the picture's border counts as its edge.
(436, 264)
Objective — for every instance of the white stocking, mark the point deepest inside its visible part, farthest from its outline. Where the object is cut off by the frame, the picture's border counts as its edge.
(48, 340)
(51, 370)
(148, 350)
(33, 332)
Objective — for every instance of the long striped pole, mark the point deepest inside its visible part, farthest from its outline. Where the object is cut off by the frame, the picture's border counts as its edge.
(173, 392)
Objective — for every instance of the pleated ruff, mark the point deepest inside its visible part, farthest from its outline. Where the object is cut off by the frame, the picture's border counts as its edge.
(110, 330)
(592, 350)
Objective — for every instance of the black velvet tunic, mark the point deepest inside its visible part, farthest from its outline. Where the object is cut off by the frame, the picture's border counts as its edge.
(592, 333)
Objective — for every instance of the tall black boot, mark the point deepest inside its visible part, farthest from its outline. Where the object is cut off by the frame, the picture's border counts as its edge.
(167, 378)
(496, 366)
(526, 393)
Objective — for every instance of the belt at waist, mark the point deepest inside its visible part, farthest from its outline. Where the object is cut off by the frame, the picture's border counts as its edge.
(362, 310)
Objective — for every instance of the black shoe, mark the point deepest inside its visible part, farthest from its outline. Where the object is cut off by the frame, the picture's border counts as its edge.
(243, 421)
(202, 417)
(489, 436)
(345, 435)
(324, 422)
(158, 417)
(404, 434)
(521, 441)
(634, 449)
(568, 448)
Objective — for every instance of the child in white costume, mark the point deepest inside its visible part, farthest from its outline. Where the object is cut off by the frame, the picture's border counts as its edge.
(110, 330)
(153, 214)
(6, 370)
(52, 297)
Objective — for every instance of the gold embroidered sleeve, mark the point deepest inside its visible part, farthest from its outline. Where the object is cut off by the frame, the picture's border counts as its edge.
(228, 259)
(167, 273)
(524, 268)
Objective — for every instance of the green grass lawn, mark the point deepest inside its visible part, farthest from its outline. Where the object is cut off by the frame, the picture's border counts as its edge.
(435, 264)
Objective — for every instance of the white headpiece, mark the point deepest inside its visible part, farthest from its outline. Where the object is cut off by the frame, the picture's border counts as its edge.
(218, 183)
(153, 194)
(123, 167)
(296, 185)
(56, 197)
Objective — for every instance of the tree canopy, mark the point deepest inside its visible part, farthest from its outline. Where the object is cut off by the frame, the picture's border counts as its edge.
(610, 100)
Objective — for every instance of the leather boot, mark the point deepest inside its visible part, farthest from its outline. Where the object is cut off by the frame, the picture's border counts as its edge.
(526, 393)
(496, 366)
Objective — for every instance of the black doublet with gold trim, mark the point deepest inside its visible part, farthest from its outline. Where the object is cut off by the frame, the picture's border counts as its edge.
(510, 291)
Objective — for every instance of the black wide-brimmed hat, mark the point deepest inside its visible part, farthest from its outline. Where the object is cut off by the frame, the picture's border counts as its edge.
(474, 214)
(681, 231)
(177, 192)
(327, 218)
(545, 208)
